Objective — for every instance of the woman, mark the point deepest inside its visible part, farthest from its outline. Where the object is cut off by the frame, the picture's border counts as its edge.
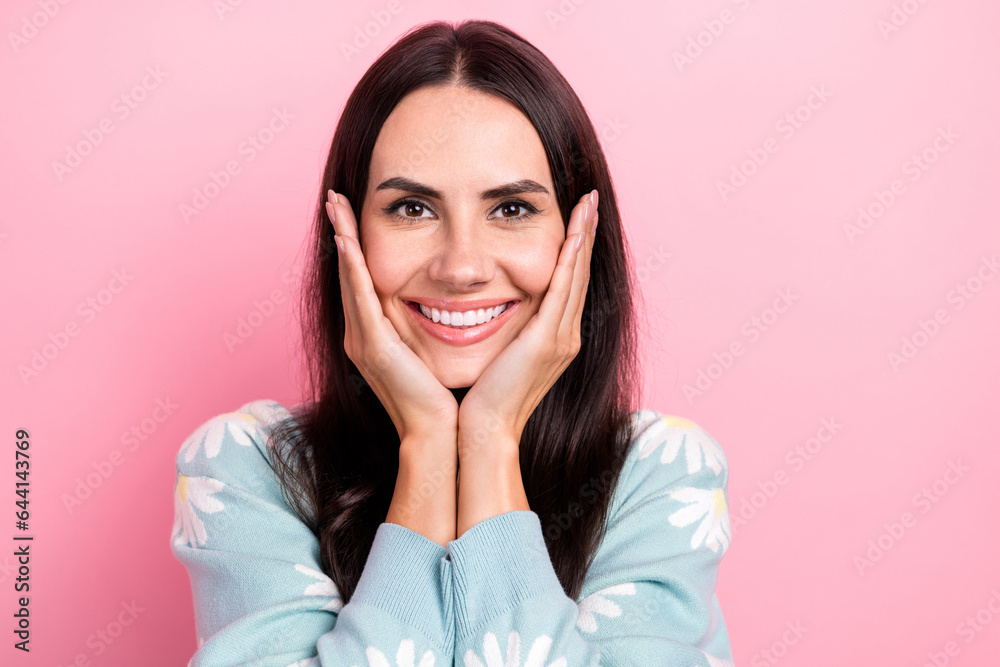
(471, 480)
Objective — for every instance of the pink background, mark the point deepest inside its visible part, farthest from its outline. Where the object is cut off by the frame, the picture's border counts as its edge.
(672, 131)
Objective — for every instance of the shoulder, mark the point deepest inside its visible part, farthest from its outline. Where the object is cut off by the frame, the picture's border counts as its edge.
(234, 444)
(675, 441)
(669, 453)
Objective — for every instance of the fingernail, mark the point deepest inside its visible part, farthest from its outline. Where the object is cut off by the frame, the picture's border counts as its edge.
(331, 212)
(340, 243)
(579, 242)
(593, 227)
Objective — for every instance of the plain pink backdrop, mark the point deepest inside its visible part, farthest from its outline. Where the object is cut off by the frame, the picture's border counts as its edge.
(885, 81)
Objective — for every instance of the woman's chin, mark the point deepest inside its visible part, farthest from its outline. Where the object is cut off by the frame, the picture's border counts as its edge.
(455, 381)
(458, 375)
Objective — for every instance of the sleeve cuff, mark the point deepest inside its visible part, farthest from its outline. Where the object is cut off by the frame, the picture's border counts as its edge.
(498, 563)
(407, 575)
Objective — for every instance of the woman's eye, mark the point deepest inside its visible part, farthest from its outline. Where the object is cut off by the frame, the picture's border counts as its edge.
(510, 208)
(412, 209)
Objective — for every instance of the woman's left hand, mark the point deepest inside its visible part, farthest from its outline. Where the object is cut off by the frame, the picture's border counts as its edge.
(498, 405)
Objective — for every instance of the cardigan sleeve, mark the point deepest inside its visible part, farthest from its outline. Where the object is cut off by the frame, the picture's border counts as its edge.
(649, 595)
(260, 595)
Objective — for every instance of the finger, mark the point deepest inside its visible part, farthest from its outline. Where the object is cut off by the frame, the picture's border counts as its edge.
(344, 221)
(352, 333)
(581, 279)
(367, 316)
(553, 305)
(570, 323)
(364, 299)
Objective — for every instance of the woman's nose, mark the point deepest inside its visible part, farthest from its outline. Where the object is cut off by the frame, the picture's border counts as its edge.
(463, 256)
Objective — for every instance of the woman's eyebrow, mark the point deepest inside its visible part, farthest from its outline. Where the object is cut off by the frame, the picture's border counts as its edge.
(513, 188)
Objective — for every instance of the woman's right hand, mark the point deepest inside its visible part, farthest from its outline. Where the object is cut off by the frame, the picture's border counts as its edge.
(419, 405)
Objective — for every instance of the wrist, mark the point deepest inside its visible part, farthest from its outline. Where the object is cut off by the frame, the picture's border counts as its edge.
(424, 499)
(428, 443)
(434, 456)
(481, 447)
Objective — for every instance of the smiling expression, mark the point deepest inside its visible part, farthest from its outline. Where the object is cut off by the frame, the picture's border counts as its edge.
(460, 214)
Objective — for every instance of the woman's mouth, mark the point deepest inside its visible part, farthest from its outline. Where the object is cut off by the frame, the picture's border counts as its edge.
(444, 325)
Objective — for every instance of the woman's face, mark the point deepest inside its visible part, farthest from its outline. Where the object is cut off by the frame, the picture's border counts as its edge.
(460, 214)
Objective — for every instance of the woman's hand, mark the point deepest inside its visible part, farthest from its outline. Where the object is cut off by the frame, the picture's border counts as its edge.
(419, 405)
(498, 405)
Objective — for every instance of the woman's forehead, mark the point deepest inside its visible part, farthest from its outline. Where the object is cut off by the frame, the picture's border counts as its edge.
(488, 145)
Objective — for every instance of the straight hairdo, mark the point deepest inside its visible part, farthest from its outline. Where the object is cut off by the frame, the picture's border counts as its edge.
(337, 461)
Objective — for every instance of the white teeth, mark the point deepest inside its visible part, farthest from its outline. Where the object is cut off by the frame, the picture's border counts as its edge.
(462, 319)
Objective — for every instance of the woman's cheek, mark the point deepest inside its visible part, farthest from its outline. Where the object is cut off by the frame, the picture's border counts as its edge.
(386, 265)
(533, 265)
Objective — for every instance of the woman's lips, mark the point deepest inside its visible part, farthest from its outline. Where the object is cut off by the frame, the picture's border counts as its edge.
(462, 335)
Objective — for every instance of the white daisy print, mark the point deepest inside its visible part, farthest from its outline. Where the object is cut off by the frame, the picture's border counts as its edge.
(404, 656)
(714, 529)
(683, 433)
(598, 603)
(268, 415)
(537, 655)
(323, 586)
(212, 432)
(194, 492)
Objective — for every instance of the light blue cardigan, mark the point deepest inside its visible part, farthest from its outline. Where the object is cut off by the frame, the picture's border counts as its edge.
(490, 599)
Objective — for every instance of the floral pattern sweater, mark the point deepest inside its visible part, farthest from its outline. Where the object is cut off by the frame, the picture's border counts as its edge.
(491, 598)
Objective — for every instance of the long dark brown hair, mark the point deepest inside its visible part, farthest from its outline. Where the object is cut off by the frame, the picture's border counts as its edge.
(337, 462)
